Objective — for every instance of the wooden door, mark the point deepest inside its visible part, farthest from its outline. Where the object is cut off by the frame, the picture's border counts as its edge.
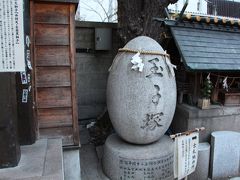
(53, 27)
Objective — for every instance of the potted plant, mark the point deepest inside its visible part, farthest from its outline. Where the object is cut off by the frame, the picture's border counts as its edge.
(204, 101)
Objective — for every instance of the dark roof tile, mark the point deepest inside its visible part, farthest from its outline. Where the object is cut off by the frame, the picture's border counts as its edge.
(208, 50)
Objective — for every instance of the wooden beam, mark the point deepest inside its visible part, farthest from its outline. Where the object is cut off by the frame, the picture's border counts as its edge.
(73, 76)
(26, 120)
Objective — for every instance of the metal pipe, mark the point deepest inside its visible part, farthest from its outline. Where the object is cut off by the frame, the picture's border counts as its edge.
(167, 13)
(183, 10)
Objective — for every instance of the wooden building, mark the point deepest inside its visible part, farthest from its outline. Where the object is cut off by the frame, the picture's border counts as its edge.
(54, 70)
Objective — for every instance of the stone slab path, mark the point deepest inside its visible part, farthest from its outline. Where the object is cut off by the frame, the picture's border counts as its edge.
(40, 161)
(90, 165)
(89, 158)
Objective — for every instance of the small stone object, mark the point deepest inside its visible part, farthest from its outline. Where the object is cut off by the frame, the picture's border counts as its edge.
(201, 172)
(225, 154)
(141, 105)
(122, 160)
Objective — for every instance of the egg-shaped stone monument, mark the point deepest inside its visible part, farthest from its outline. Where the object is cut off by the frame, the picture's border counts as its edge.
(141, 91)
(141, 100)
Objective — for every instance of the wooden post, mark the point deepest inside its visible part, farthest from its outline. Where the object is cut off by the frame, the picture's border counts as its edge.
(76, 137)
(9, 146)
(26, 121)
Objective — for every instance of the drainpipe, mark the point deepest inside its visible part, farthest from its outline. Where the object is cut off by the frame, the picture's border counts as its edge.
(167, 13)
(183, 10)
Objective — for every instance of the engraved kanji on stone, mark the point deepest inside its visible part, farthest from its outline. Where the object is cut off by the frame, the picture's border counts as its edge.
(156, 69)
(152, 121)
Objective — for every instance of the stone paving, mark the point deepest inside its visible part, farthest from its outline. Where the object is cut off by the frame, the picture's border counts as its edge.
(40, 161)
(90, 163)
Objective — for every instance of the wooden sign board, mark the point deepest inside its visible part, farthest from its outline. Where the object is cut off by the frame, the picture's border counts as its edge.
(11, 36)
(186, 154)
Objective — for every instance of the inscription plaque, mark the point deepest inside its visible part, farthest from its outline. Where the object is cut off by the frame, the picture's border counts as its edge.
(149, 169)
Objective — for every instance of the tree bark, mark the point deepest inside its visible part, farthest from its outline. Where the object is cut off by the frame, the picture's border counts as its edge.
(135, 18)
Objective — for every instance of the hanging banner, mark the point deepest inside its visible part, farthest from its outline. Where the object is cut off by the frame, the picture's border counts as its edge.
(185, 155)
(11, 36)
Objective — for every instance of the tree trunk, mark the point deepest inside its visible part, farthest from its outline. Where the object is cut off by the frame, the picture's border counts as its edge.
(135, 18)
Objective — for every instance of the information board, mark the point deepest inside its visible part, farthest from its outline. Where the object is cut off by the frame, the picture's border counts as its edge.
(12, 55)
(186, 154)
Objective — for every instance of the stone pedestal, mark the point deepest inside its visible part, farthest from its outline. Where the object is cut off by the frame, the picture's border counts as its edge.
(122, 160)
(201, 172)
(216, 118)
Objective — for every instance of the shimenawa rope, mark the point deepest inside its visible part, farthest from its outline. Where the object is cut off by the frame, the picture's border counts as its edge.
(143, 52)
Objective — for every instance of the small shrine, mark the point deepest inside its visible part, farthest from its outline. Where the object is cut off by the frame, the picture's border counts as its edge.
(205, 50)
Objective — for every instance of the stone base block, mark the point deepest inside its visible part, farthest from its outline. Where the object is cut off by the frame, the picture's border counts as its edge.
(124, 161)
(201, 172)
(225, 155)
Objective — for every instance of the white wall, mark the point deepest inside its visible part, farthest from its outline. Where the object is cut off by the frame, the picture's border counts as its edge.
(192, 6)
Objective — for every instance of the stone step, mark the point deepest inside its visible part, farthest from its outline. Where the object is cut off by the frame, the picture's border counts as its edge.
(71, 159)
(40, 161)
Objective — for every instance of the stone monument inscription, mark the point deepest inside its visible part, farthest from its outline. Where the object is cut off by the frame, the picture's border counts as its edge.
(149, 169)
